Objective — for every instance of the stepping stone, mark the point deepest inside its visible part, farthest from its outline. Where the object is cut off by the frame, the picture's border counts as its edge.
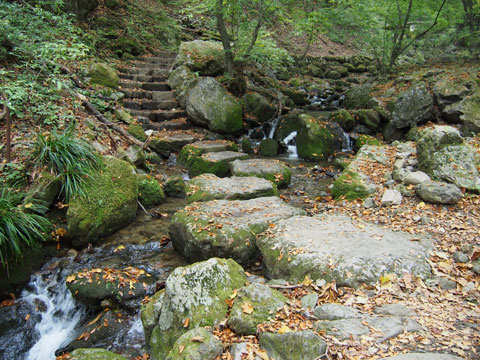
(189, 152)
(424, 356)
(335, 247)
(150, 105)
(176, 124)
(217, 163)
(226, 229)
(159, 115)
(343, 328)
(295, 345)
(208, 187)
(273, 170)
(167, 142)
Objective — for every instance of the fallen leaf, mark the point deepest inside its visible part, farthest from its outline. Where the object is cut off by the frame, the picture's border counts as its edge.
(186, 322)
(70, 278)
(197, 339)
(284, 329)
(247, 308)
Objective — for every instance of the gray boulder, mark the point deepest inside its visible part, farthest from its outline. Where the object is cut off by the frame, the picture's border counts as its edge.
(95, 354)
(208, 187)
(197, 344)
(209, 105)
(226, 228)
(361, 252)
(194, 297)
(168, 142)
(182, 79)
(204, 57)
(423, 356)
(416, 177)
(412, 107)
(263, 303)
(298, 345)
(335, 312)
(343, 328)
(439, 192)
(259, 108)
(274, 170)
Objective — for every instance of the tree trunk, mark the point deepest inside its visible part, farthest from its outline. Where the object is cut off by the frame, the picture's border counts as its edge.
(222, 29)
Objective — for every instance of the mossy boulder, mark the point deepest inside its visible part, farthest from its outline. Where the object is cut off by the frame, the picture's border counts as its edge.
(344, 119)
(109, 204)
(259, 108)
(204, 57)
(137, 132)
(288, 124)
(273, 170)
(369, 118)
(150, 191)
(297, 96)
(358, 97)
(208, 187)
(182, 79)
(175, 187)
(197, 344)
(295, 345)
(354, 183)
(413, 106)
(366, 140)
(125, 45)
(269, 147)
(318, 139)
(217, 163)
(225, 228)
(194, 297)
(247, 146)
(450, 90)
(122, 115)
(189, 152)
(264, 301)
(470, 114)
(104, 75)
(209, 105)
(167, 142)
(94, 354)
(91, 286)
(44, 190)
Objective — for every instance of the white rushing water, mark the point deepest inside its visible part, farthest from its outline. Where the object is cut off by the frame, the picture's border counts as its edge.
(275, 123)
(291, 145)
(61, 315)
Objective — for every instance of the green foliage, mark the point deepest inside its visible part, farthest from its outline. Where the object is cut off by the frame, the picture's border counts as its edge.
(36, 41)
(19, 228)
(12, 174)
(67, 157)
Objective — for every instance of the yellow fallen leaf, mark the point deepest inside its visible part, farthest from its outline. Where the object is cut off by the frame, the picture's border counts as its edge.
(197, 339)
(262, 354)
(119, 248)
(181, 348)
(28, 206)
(70, 278)
(247, 308)
(284, 329)
(186, 322)
(307, 281)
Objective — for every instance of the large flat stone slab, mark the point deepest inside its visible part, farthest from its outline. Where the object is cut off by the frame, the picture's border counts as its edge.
(225, 228)
(217, 163)
(208, 187)
(273, 170)
(335, 247)
(167, 142)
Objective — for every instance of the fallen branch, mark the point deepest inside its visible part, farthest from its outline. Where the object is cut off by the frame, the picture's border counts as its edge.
(6, 113)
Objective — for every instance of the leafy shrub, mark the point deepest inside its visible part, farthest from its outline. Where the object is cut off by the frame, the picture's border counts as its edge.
(18, 228)
(68, 157)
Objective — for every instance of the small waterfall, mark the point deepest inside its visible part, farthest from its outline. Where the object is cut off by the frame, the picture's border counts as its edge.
(60, 315)
(347, 143)
(275, 123)
(291, 145)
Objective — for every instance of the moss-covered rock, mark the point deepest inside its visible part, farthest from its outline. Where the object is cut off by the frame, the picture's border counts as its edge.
(166, 142)
(122, 115)
(259, 109)
(194, 297)
(226, 228)
(273, 170)
(182, 79)
(298, 97)
(204, 57)
(217, 163)
(264, 302)
(269, 147)
(209, 105)
(288, 124)
(368, 117)
(247, 146)
(125, 45)
(137, 132)
(150, 191)
(344, 119)
(109, 204)
(366, 140)
(104, 75)
(470, 117)
(94, 354)
(44, 190)
(358, 97)
(91, 286)
(318, 139)
(197, 344)
(295, 345)
(208, 187)
(175, 187)
(189, 152)
(413, 106)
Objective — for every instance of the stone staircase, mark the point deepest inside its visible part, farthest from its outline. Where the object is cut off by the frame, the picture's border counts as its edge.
(147, 95)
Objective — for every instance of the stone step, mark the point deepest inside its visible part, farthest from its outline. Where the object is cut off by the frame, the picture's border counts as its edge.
(176, 124)
(143, 78)
(162, 53)
(149, 95)
(152, 66)
(150, 105)
(153, 86)
(158, 59)
(159, 115)
(143, 71)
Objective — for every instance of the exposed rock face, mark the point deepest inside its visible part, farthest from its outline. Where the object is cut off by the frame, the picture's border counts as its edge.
(110, 203)
(297, 345)
(302, 246)
(103, 74)
(273, 170)
(208, 187)
(412, 107)
(182, 79)
(318, 139)
(264, 303)
(443, 155)
(205, 57)
(197, 293)
(232, 233)
(438, 192)
(209, 105)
